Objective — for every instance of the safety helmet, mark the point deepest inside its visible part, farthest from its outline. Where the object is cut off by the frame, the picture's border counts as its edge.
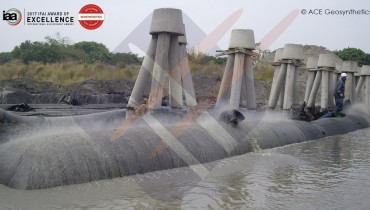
(343, 74)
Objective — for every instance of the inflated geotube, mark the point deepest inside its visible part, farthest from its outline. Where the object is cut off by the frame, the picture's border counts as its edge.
(38, 152)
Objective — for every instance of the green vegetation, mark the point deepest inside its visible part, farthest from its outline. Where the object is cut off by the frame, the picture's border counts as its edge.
(57, 60)
(58, 50)
(354, 54)
(203, 63)
(5, 57)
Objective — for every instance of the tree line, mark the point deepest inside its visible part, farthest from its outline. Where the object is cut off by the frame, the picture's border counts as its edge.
(354, 54)
(57, 50)
(54, 50)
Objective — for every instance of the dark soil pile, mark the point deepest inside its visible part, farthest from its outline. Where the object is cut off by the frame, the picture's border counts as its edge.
(32, 86)
(94, 87)
(206, 87)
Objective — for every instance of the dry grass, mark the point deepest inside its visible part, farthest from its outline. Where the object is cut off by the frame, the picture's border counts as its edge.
(264, 71)
(207, 69)
(198, 63)
(71, 72)
(66, 73)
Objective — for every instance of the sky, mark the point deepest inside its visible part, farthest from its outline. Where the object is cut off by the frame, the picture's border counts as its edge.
(122, 17)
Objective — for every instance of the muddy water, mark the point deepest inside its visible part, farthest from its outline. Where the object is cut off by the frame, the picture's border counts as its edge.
(331, 173)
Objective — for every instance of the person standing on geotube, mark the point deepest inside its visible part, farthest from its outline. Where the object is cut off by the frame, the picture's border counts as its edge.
(339, 95)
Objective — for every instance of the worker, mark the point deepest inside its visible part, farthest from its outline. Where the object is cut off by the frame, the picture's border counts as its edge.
(339, 94)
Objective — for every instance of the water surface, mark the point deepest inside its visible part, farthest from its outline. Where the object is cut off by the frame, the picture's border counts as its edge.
(330, 173)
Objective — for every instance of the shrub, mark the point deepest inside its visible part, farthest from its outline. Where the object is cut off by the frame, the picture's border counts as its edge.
(5, 57)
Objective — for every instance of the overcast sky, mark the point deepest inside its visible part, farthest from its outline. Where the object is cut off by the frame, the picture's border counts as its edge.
(123, 16)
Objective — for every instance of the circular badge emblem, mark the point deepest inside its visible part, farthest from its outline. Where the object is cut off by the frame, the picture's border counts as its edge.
(91, 16)
(12, 16)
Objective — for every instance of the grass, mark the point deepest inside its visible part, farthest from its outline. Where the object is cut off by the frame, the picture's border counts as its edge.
(67, 73)
(198, 64)
(263, 71)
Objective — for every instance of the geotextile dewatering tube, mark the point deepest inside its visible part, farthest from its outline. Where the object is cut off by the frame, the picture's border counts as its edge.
(49, 152)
